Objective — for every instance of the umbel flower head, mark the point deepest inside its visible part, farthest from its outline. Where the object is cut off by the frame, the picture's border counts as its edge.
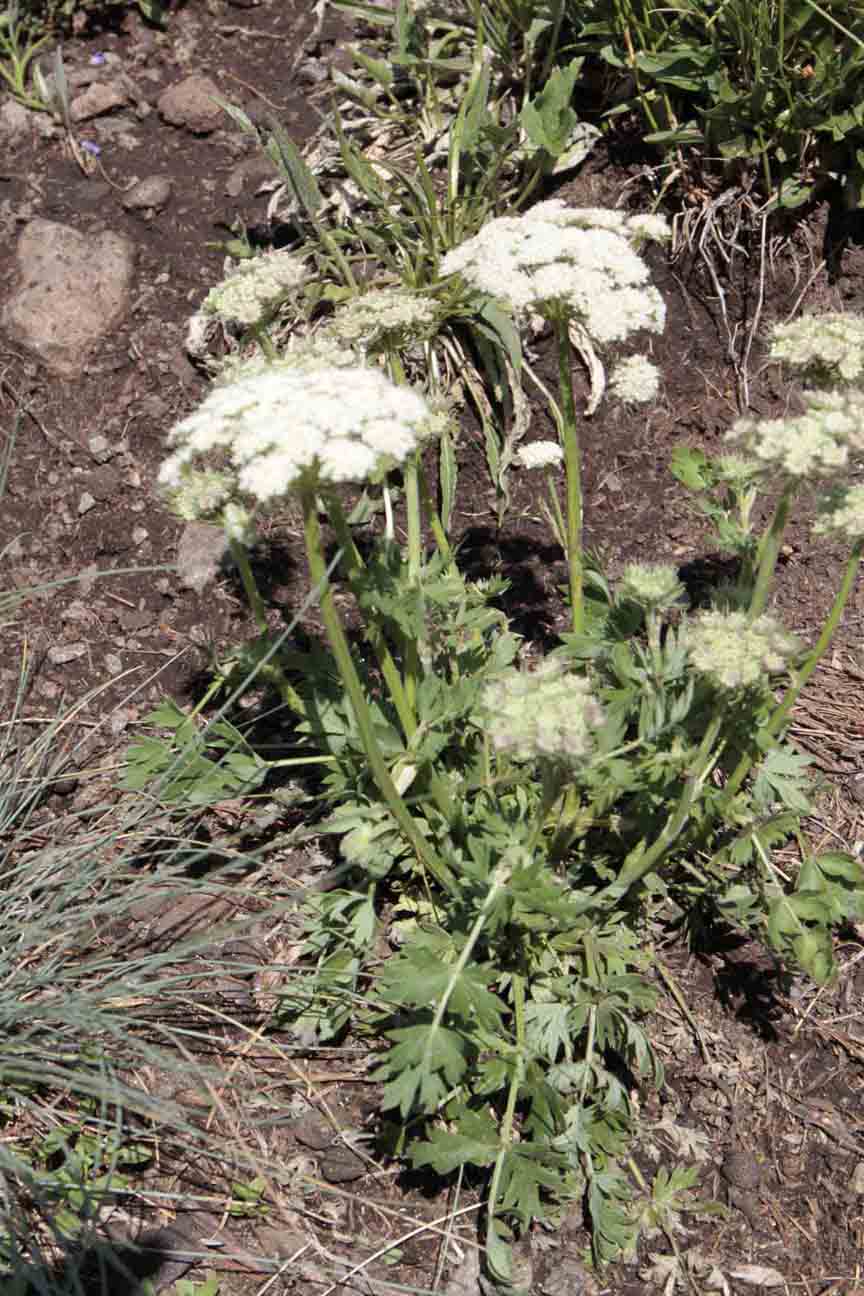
(280, 426)
(823, 347)
(733, 652)
(816, 443)
(253, 291)
(540, 454)
(577, 260)
(547, 713)
(841, 513)
(384, 319)
(635, 380)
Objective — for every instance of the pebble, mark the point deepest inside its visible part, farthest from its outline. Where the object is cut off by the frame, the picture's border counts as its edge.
(341, 1165)
(150, 194)
(63, 653)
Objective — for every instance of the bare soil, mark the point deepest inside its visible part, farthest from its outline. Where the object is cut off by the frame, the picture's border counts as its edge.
(765, 1070)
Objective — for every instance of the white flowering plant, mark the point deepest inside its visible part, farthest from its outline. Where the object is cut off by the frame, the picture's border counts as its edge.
(507, 829)
(581, 270)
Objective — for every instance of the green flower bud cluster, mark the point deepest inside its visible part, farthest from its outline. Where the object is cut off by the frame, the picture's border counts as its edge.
(651, 587)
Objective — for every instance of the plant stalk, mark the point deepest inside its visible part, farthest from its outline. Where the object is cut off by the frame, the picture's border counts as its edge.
(769, 550)
(781, 714)
(573, 466)
(351, 680)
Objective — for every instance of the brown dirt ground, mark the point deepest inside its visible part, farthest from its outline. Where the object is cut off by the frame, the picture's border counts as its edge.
(757, 1065)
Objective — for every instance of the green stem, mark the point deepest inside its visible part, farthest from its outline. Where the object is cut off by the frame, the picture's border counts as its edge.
(551, 792)
(434, 520)
(351, 680)
(556, 515)
(256, 603)
(509, 1115)
(781, 714)
(415, 559)
(644, 863)
(572, 463)
(389, 670)
(769, 550)
(262, 337)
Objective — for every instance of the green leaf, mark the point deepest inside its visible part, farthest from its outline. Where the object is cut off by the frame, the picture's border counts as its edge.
(282, 150)
(781, 777)
(477, 1142)
(425, 1063)
(548, 119)
(418, 977)
(690, 466)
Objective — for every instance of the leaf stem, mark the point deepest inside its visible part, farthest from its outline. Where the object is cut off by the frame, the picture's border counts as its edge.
(781, 714)
(351, 680)
(572, 463)
(769, 550)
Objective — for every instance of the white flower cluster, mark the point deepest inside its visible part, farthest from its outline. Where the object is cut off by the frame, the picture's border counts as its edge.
(384, 318)
(547, 713)
(733, 652)
(252, 292)
(842, 514)
(816, 443)
(824, 347)
(579, 260)
(650, 586)
(635, 380)
(540, 454)
(280, 426)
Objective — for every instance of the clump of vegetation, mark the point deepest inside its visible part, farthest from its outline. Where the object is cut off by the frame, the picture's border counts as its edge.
(510, 834)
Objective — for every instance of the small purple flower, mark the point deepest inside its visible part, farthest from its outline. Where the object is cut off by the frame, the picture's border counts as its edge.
(91, 147)
(97, 59)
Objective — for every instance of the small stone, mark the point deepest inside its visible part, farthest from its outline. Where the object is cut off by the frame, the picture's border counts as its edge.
(63, 653)
(76, 611)
(86, 503)
(314, 1132)
(139, 535)
(99, 447)
(341, 1165)
(15, 120)
(192, 103)
(150, 194)
(199, 554)
(100, 98)
(113, 664)
(741, 1168)
(64, 787)
(858, 1179)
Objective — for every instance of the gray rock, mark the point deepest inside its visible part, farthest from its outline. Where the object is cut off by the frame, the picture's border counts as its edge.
(99, 98)
(341, 1165)
(192, 103)
(149, 194)
(63, 653)
(16, 121)
(313, 1131)
(72, 291)
(199, 554)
